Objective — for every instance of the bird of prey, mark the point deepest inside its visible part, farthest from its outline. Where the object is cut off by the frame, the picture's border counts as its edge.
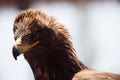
(47, 46)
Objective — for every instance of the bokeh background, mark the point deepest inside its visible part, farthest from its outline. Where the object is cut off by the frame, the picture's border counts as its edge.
(94, 26)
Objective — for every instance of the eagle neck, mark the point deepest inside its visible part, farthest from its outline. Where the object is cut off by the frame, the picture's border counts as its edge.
(58, 63)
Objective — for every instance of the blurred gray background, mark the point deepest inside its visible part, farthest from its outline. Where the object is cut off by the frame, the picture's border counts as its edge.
(94, 26)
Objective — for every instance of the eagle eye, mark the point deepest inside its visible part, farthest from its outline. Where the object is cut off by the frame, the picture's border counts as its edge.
(14, 29)
(15, 38)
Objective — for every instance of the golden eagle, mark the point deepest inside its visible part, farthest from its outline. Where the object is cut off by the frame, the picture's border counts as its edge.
(46, 45)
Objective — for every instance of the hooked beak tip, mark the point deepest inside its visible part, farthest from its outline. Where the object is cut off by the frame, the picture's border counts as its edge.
(16, 52)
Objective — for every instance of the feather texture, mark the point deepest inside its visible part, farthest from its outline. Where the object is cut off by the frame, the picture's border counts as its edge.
(53, 58)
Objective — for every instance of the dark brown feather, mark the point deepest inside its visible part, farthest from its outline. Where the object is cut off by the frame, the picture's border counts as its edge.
(54, 57)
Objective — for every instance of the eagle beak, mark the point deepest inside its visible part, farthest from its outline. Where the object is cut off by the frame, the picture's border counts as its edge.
(16, 48)
(19, 48)
(16, 52)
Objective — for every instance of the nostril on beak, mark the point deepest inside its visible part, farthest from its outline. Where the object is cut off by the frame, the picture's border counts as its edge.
(19, 44)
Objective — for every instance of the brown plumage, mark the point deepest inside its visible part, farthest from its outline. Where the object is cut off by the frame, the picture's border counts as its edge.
(47, 46)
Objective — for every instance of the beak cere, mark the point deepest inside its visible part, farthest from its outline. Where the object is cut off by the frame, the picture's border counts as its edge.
(18, 42)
